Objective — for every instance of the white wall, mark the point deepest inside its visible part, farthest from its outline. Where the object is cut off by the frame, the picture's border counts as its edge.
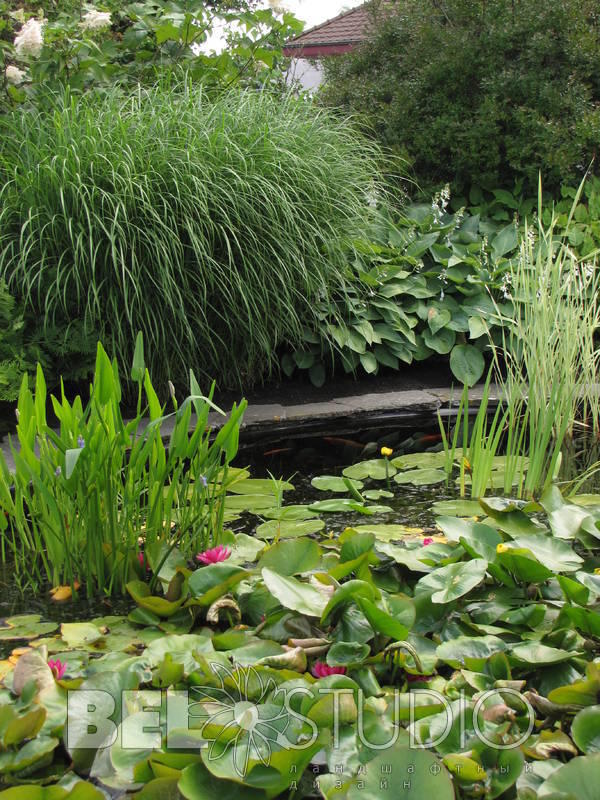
(309, 74)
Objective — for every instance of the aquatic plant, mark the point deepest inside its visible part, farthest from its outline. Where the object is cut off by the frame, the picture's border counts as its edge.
(83, 498)
(303, 658)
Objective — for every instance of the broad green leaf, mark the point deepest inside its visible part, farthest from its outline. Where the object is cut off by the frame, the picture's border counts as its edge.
(585, 729)
(467, 364)
(481, 539)
(421, 477)
(288, 529)
(294, 594)
(291, 557)
(451, 582)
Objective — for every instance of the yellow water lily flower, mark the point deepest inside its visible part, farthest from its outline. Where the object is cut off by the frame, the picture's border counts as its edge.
(502, 548)
(386, 451)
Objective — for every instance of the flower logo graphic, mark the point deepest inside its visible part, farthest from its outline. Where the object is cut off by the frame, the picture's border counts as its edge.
(240, 717)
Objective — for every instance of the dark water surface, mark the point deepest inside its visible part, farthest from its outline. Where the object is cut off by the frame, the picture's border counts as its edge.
(298, 459)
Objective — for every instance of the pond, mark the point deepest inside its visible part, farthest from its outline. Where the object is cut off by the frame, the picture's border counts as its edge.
(351, 578)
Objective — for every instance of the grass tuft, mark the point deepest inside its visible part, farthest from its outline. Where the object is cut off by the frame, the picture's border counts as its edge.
(213, 226)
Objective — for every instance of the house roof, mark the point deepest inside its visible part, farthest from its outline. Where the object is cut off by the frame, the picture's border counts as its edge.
(335, 35)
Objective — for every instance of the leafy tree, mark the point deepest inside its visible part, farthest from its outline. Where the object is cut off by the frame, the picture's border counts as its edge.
(479, 91)
(71, 43)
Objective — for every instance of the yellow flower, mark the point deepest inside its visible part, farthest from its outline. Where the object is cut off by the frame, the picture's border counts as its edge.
(386, 451)
(597, 571)
(502, 548)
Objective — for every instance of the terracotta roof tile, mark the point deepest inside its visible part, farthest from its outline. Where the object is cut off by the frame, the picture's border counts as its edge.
(348, 27)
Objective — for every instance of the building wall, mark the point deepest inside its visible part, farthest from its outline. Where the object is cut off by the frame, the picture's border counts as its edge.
(308, 73)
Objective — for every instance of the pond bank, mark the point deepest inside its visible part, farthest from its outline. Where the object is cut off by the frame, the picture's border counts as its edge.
(339, 408)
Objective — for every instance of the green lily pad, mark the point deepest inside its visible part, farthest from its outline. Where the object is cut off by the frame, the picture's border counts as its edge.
(331, 483)
(377, 494)
(469, 651)
(451, 582)
(197, 783)
(291, 557)
(585, 729)
(421, 477)
(294, 594)
(577, 779)
(374, 468)
(248, 502)
(26, 626)
(341, 654)
(416, 774)
(458, 508)
(555, 554)
(535, 653)
(420, 461)
(260, 486)
(289, 529)
(289, 513)
(480, 538)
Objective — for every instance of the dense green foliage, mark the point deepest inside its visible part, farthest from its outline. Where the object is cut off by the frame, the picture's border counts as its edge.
(438, 282)
(214, 226)
(294, 643)
(479, 92)
(127, 43)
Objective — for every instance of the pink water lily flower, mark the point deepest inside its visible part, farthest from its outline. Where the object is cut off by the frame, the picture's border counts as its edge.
(57, 667)
(218, 553)
(427, 540)
(322, 670)
(143, 562)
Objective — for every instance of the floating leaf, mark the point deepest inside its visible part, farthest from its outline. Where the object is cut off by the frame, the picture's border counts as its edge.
(421, 477)
(288, 529)
(293, 594)
(451, 582)
(291, 557)
(331, 483)
(373, 468)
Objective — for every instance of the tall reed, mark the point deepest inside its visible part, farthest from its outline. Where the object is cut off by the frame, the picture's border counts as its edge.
(545, 366)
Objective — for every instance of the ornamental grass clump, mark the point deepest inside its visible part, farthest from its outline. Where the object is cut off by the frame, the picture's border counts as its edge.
(212, 225)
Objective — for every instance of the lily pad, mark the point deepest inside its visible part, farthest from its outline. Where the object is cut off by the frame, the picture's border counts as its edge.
(421, 477)
(451, 582)
(294, 594)
(260, 486)
(374, 468)
(420, 461)
(291, 557)
(285, 529)
(585, 729)
(332, 483)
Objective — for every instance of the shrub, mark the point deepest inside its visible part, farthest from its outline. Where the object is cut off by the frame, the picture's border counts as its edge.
(480, 92)
(213, 226)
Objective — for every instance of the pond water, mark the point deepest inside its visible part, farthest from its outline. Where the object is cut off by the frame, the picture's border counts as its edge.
(298, 459)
